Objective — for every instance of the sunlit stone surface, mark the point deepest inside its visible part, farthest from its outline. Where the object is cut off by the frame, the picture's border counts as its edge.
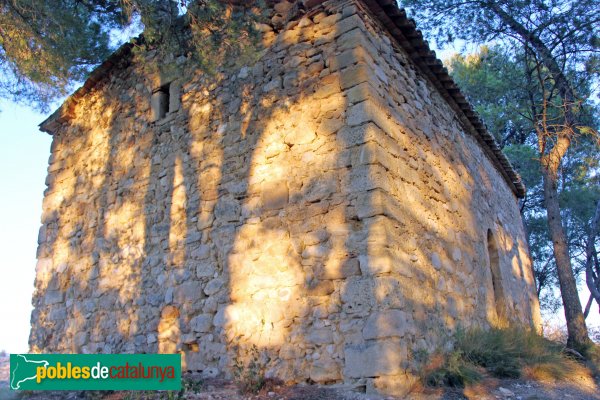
(324, 206)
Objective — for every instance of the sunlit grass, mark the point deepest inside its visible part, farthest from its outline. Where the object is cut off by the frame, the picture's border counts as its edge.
(501, 353)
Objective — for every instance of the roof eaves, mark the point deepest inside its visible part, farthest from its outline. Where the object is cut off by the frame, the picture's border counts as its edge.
(64, 112)
(405, 31)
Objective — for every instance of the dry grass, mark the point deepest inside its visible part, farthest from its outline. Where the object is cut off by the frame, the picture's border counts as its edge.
(501, 353)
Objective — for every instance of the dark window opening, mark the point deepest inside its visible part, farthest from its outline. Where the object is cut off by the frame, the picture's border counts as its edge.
(160, 102)
(494, 262)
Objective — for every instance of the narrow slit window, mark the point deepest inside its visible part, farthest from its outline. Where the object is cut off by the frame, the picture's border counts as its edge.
(494, 263)
(160, 102)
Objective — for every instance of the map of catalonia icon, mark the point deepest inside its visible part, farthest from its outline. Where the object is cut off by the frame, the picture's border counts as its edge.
(24, 368)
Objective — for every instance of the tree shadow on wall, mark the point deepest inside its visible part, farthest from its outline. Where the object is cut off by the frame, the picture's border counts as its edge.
(257, 215)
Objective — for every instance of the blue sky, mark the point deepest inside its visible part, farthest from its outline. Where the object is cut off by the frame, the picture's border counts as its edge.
(24, 152)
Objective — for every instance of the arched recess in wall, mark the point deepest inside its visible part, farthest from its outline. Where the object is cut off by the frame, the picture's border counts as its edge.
(494, 263)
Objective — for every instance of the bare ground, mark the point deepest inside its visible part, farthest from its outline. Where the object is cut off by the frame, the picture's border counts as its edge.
(579, 387)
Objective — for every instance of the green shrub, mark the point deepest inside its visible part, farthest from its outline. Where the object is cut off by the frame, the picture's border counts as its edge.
(453, 371)
(503, 353)
(592, 355)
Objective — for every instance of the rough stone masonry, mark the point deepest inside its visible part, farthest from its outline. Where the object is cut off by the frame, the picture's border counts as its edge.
(335, 207)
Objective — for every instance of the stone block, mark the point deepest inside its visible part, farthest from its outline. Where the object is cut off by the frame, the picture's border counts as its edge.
(348, 58)
(290, 80)
(436, 261)
(377, 262)
(339, 270)
(316, 237)
(243, 74)
(169, 313)
(373, 153)
(321, 288)
(274, 194)
(373, 110)
(374, 359)
(368, 177)
(315, 68)
(325, 370)
(274, 84)
(330, 126)
(301, 134)
(456, 254)
(372, 203)
(320, 188)
(54, 296)
(188, 292)
(213, 286)
(228, 209)
(43, 266)
(349, 10)
(354, 75)
(57, 314)
(193, 361)
(201, 323)
(318, 251)
(360, 113)
(352, 136)
(169, 296)
(290, 352)
(201, 252)
(358, 294)
(205, 269)
(174, 96)
(361, 92)
(329, 21)
(387, 323)
(80, 339)
(193, 237)
(397, 385)
(325, 91)
(320, 336)
(348, 24)
(42, 234)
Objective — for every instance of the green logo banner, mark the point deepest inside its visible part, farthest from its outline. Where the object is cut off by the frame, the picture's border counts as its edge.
(95, 371)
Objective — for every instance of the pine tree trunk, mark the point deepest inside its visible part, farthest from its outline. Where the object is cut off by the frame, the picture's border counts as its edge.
(577, 330)
(591, 277)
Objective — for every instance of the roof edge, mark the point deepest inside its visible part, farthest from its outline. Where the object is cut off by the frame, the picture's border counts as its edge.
(65, 111)
(406, 34)
(404, 31)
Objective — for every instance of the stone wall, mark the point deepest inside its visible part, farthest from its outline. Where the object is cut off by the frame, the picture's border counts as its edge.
(323, 206)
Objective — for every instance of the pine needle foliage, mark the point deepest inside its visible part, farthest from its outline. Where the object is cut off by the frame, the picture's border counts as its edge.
(49, 46)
